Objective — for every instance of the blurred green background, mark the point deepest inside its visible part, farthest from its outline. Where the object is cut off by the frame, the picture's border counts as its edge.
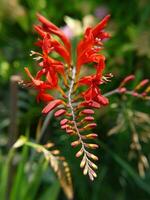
(23, 173)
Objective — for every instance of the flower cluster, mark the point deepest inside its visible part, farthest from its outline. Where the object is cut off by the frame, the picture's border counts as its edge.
(75, 96)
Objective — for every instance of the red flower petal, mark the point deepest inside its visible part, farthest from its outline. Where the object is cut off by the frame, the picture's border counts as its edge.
(100, 67)
(51, 106)
(39, 30)
(36, 82)
(86, 80)
(100, 26)
(52, 78)
(88, 94)
(47, 45)
(88, 48)
(62, 51)
(44, 97)
(40, 73)
(59, 68)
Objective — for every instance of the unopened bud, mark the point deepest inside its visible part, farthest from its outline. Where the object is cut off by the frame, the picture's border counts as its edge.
(141, 84)
(63, 122)
(122, 90)
(87, 111)
(89, 126)
(92, 146)
(59, 113)
(75, 143)
(79, 153)
(90, 155)
(82, 164)
(93, 165)
(89, 118)
(90, 136)
(126, 80)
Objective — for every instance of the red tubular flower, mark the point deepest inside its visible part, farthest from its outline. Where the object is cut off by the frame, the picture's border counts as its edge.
(40, 86)
(49, 44)
(36, 83)
(88, 48)
(51, 68)
(51, 28)
(97, 30)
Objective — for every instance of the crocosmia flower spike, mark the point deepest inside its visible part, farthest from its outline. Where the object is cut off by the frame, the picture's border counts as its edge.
(65, 90)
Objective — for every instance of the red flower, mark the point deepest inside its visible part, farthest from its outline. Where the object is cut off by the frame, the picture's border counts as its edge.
(40, 86)
(51, 68)
(36, 83)
(45, 32)
(93, 92)
(88, 48)
(49, 44)
(49, 27)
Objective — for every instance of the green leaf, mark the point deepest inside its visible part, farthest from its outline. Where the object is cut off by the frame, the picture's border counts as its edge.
(18, 180)
(5, 174)
(33, 186)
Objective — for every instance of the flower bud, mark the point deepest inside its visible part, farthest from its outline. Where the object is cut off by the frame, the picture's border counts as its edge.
(87, 111)
(89, 126)
(92, 146)
(79, 153)
(141, 84)
(63, 122)
(75, 143)
(59, 113)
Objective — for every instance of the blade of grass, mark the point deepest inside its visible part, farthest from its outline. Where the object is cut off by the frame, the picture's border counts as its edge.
(17, 185)
(33, 186)
(5, 173)
(44, 126)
